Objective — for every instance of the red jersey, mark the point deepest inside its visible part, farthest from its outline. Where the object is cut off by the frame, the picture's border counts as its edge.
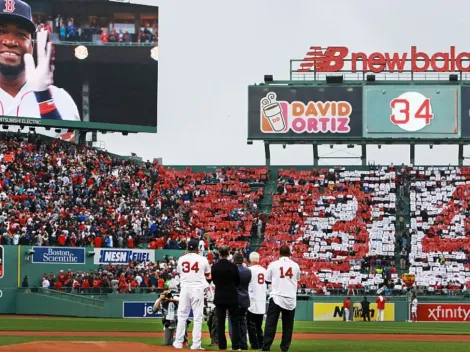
(380, 302)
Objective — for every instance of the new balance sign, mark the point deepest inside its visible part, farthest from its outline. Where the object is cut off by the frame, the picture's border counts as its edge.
(123, 256)
(58, 255)
(332, 59)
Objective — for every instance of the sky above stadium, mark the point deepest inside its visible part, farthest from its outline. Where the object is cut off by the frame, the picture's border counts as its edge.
(211, 50)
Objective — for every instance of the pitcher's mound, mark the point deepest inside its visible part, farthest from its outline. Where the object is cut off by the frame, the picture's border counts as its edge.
(80, 346)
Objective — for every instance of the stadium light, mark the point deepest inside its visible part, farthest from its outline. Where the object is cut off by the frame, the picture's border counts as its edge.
(81, 52)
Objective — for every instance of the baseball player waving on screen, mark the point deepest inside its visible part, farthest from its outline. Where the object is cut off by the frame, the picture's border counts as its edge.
(26, 88)
(193, 269)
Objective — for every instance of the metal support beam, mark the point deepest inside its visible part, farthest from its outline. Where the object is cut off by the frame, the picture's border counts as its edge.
(315, 155)
(461, 157)
(82, 137)
(412, 154)
(267, 154)
(364, 154)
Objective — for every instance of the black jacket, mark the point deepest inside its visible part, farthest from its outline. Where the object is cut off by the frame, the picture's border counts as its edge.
(226, 280)
(242, 289)
(365, 305)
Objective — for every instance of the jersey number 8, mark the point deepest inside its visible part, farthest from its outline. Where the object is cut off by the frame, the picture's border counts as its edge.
(261, 278)
(186, 267)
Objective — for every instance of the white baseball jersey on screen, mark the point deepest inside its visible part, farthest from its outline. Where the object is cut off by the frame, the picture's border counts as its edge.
(192, 268)
(414, 305)
(26, 105)
(257, 290)
(283, 275)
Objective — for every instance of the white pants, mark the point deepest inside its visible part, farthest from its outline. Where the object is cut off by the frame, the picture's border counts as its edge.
(190, 298)
(380, 315)
(346, 314)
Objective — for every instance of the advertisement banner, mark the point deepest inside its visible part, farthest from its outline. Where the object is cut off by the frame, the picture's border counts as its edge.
(455, 312)
(122, 256)
(301, 113)
(411, 112)
(465, 98)
(58, 255)
(141, 310)
(335, 311)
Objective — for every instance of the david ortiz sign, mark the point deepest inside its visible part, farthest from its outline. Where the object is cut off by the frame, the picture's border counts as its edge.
(442, 312)
(58, 255)
(294, 112)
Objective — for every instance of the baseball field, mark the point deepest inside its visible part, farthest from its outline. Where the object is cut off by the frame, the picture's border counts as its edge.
(80, 334)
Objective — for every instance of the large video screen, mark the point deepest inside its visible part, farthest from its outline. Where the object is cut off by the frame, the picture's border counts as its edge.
(102, 70)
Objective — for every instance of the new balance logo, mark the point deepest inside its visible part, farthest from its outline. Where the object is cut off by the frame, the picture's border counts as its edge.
(329, 60)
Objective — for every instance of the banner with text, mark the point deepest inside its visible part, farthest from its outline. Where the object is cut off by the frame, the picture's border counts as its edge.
(455, 312)
(335, 312)
(411, 112)
(142, 310)
(301, 113)
(122, 256)
(58, 255)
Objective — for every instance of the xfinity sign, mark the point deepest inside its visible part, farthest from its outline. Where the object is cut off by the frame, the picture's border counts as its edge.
(333, 58)
(123, 256)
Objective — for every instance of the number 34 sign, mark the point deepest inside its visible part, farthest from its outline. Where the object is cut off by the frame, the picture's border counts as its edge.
(413, 112)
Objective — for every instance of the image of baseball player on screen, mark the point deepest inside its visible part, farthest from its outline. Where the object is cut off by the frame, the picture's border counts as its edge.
(26, 86)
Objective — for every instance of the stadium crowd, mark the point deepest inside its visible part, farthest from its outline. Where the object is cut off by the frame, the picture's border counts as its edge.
(72, 29)
(348, 230)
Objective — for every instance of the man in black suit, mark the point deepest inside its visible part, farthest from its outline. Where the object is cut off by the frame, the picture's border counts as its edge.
(365, 305)
(226, 279)
(243, 298)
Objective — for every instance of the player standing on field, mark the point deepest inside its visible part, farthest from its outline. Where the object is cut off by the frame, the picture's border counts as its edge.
(193, 270)
(414, 309)
(257, 291)
(283, 275)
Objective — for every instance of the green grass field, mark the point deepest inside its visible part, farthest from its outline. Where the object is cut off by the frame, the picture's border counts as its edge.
(141, 325)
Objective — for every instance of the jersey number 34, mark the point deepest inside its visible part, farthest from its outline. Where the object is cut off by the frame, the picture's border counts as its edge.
(186, 267)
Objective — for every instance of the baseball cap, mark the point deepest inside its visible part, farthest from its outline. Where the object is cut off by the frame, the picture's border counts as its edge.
(193, 244)
(18, 11)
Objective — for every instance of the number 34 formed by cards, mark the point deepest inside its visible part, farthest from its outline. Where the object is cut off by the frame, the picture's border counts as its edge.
(411, 111)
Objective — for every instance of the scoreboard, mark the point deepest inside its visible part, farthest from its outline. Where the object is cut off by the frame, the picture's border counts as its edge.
(411, 112)
(362, 111)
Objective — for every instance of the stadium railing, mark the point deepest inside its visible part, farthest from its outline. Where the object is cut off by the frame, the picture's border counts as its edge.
(83, 299)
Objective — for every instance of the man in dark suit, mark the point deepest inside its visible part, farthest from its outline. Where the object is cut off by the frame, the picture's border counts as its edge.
(243, 298)
(365, 305)
(226, 280)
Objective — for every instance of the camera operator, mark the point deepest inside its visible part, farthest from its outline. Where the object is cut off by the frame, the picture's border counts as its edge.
(210, 314)
(167, 303)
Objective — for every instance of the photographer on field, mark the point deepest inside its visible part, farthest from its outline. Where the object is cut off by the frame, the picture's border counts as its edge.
(167, 303)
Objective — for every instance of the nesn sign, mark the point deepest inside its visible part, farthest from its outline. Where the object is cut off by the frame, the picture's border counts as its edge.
(123, 256)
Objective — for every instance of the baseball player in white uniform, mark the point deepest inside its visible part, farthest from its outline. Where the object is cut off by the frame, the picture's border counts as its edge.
(26, 87)
(257, 291)
(193, 269)
(414, 309)
(283, 276)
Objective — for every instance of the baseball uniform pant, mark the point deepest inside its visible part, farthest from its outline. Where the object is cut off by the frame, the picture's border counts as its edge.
(346, 314)
(255, 329)
(190, 298)
(221, 312)
(380, 315)
(271, 325)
